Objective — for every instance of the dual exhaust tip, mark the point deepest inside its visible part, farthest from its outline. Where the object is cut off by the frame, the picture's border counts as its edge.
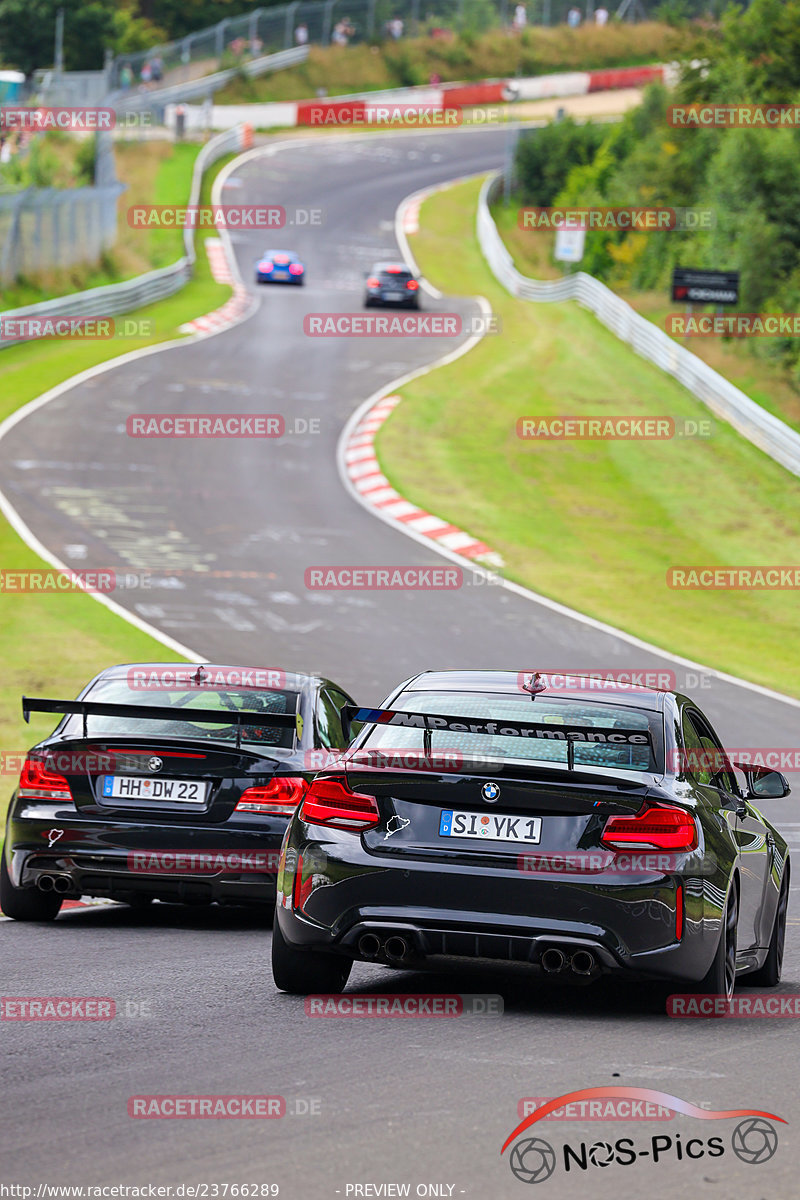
(54, 883)
(395, 948)
(582, 962)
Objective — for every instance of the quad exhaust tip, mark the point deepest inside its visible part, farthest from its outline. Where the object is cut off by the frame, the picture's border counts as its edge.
(582, 962)
(396, 948)
(54, 883)
(369, 945)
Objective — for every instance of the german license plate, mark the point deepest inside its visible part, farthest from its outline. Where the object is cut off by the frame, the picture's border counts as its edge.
(176, 791)
(490, 827)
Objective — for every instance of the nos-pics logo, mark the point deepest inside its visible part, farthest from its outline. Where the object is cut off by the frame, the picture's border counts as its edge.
(753, 1140)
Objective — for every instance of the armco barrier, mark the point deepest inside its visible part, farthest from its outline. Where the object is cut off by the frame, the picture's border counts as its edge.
(118, 298)
(727, 402)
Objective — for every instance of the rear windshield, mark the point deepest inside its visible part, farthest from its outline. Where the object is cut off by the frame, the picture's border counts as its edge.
(551, 749)
(183, 700)
(390, 277)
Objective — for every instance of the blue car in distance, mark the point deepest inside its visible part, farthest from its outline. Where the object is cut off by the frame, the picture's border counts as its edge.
(280, 266)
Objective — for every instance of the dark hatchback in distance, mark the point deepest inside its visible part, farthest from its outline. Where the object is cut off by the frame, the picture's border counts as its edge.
(188, 804)
(475, 816)
(391, 284)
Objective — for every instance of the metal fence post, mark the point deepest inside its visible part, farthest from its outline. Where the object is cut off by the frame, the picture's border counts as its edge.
(220, 38)
(327, 22)
(371, 19)
(291, 9)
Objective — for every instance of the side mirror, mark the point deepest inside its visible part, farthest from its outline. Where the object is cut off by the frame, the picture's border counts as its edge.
(763, 784)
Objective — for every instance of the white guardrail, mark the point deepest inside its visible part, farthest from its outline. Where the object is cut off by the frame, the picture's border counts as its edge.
(115, 298)
(760, 427)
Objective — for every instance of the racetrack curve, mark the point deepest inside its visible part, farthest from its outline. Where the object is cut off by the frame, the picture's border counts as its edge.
(227, 529)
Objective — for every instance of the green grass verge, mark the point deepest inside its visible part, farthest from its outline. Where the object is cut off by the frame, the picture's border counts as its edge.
(746, 365)
(592, 524)
(495, 54)
(51, 644)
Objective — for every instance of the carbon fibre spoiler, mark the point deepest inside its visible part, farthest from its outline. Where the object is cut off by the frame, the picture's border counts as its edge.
(158, 712)
(541, 730)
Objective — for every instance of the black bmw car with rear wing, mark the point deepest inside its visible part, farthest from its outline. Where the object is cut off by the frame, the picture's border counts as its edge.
(165, 781)
(576, 832)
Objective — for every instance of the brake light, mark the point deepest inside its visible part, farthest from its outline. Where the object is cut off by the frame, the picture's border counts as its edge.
(37, 783)
(373, 281)
(652, 829)
(412, 285)
(331, 802)
(280, 796)
(295, 269)
(265, 266)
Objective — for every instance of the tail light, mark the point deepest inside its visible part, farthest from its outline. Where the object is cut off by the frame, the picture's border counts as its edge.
(280, 796)
(679, 913)
(652, 829)
(331, 802)
(373, 281)
(37, 783)
(295, 269)
(265, 266)
(302, 887)
(412, 285)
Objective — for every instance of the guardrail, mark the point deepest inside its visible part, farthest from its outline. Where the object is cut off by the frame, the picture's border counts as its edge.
(116, 298)
(725, 400)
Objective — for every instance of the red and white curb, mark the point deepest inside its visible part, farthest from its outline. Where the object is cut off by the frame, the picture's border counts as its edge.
(411, 215)
(365, 475)
(233, 309)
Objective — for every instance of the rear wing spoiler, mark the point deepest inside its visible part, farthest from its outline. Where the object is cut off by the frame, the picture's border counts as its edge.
(158, 712)
(549, 731)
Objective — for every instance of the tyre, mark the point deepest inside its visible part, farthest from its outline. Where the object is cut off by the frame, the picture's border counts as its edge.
(769, 975)
(26, 904)
(721, 977)
(303, 971)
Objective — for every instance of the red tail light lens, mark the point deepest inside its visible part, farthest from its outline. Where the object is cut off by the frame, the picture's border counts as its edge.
(37, 783)
(265, 266)
(652, 829)
(373, 281)
(412, 285)
(280, 796)
(331, 802)
(295, 269)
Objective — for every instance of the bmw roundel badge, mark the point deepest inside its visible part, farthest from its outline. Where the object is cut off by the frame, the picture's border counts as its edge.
(490, 792)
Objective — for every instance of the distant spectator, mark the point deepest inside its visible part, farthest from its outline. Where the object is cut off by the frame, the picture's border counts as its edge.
(301, 35)
(396, 28)
(601, 16)
(574, 18)
(435, 80)
(237, 47)
(146, 73)
(157, 68)
(126, 76)
(339, 36)
(520, 18)
(5, 150)
(256, 46)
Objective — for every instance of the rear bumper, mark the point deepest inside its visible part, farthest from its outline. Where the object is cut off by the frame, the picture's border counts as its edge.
(230, 863)
(628, 923)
